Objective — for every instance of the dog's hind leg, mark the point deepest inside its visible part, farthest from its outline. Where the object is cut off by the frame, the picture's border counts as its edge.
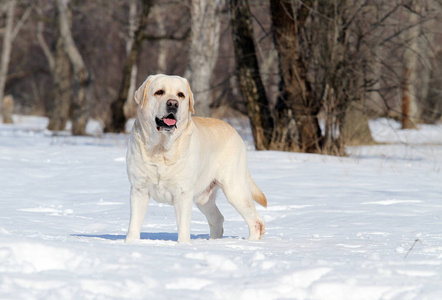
(239, 195)
(210, 210)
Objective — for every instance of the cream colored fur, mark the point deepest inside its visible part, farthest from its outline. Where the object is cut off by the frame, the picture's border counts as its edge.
(188, 164)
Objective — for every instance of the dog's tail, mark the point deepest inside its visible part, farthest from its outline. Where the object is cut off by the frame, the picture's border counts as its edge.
(257, 195)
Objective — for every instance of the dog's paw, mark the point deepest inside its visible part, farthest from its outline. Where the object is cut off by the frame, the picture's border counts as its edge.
(216, 233)
(131, 238)
(183, 239)
(258, 231)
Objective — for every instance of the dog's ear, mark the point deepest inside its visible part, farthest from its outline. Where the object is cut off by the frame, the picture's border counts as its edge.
(191, 101)
(141, 94)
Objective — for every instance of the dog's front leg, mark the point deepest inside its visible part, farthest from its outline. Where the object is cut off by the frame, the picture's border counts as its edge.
(139, 199)
(183, 213)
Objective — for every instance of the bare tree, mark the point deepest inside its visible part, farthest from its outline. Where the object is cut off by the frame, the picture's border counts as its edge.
(62, 88)
(99, 29)
(410, 57)
(11, 32)
(61, 73)
(82, 80)
(129, 107)
(248, 74)
(118, 120)
(322, 49)
(158, 13)
(296, 99)
(431, 104)
(203, 52)
(343, 58)
(6, 49)
(432, 108)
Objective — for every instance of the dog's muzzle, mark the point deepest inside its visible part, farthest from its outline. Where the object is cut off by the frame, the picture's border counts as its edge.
(167, 123)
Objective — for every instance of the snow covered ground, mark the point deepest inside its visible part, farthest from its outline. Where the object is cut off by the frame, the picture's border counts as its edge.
(368, 226)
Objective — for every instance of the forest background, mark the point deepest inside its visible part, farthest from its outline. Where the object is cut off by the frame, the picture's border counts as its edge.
(308, 74)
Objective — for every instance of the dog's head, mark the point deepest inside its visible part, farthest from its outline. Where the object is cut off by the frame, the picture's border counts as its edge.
(166, 101)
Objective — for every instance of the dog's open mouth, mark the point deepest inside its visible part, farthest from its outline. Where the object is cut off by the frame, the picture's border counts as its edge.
(167, 123)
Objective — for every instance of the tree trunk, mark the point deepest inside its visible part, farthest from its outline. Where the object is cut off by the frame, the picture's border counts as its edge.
(6, 52)
(130, 109)
(62, 89)
(409, 105)
(61, 74)
(247, 69)
(159, 15)
(285, 135)
(355, 130)
(8, 109)
(118, 120)
(432, 106)
(296, 87)
(80, 105)
(203, 52)
(407, 100)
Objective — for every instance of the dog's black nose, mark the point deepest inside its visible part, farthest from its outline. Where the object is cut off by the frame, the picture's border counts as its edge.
(172, 105)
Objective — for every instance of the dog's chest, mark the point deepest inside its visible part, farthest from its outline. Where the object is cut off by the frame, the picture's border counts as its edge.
(167, 175)
(165, 182)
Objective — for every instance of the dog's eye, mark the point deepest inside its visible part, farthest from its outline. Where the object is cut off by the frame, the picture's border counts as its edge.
(181, 95)
(159, 93)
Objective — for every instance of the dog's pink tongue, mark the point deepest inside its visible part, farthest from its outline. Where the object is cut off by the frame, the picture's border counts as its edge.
(170, 122)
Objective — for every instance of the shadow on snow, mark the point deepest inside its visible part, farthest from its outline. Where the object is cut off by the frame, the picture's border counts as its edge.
(155, 236)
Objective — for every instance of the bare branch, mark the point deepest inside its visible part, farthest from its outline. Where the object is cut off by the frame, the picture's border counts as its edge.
(167, 37)
(396, 34)
(6, 49)
(68, 41)
(411, 248)
(21, 22)
(42, 42)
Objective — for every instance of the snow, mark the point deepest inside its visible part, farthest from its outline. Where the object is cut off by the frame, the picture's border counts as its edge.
(367, 226)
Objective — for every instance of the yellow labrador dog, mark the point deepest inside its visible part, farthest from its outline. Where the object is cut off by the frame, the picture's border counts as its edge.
(177, 159)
